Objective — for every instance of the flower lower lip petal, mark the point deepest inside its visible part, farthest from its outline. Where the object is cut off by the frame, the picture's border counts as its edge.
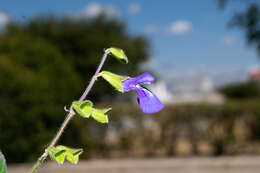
(148, 102)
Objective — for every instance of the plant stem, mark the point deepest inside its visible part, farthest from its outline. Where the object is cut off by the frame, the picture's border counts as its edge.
(70, 114)
(94, 78)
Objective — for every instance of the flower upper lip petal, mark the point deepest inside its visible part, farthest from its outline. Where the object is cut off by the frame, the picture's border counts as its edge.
(145, 78)
(131, 83)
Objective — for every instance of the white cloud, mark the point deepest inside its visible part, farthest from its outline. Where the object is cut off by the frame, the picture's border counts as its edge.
(149, 29)
(4, 19)
(228, 40)
(96, 9)
(180, 27)
(134, 8)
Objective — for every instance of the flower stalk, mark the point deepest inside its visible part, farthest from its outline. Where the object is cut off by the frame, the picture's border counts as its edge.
(71, 113)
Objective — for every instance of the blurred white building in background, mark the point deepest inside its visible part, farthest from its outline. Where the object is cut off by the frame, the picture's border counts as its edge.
(191, 89)
(162, 92)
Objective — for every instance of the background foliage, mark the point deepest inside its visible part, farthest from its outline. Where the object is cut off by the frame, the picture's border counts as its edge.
(241, 90)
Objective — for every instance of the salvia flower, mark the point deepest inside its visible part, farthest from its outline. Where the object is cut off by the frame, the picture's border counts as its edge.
(148, 102)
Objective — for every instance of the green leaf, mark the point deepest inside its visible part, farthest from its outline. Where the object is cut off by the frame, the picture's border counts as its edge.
(71, 158)
(114, 79)
(119, 54)
(84, 108)
(57, 154)
(3, 168)
(100, 115)
(78, 152)
(71, 155)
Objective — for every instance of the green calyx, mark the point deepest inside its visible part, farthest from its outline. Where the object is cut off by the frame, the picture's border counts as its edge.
(60, 153)
(119, 54)
(85, 109)
(114, 79)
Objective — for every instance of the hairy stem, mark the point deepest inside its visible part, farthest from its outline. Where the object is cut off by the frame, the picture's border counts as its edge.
(70, 114)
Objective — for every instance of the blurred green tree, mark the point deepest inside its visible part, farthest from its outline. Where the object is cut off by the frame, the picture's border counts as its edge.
(248, 20)
(45, 64)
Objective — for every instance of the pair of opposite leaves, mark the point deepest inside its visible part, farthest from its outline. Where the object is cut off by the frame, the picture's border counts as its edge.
(85, 109)
(60, 153)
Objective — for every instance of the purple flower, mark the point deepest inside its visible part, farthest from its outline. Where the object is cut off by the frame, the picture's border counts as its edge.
(148, 102)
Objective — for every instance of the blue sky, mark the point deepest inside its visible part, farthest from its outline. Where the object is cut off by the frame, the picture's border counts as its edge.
(186, 36)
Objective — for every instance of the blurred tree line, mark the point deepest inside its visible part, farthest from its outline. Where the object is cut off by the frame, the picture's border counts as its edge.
(180, 130)
(188, 129)
(45, 64)
(241, 90)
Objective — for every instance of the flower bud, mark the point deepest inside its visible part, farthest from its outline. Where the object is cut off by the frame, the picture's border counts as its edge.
(119, 54)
